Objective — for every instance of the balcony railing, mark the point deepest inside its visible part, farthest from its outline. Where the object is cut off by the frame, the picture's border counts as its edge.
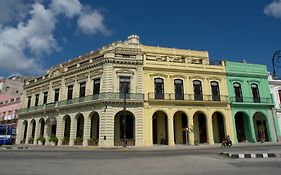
(249, 100)
(110, 96)
(187, 97)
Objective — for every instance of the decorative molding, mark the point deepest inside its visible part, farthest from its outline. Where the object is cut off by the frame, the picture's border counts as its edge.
(178, 77)
(196, 77)
(125, 71)
(158, 75)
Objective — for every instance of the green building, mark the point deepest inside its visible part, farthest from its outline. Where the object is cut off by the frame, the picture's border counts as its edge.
(251, 102)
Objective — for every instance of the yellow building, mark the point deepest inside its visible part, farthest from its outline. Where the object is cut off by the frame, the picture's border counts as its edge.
(185, 98)
(147, 95)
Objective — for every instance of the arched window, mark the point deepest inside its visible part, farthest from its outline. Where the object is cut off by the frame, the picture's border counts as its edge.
(255, 93)
(159, 88)
(215, 91)
(197, 87)
(238, 92)
(178, 85)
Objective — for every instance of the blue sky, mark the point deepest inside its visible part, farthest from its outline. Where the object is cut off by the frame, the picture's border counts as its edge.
(38, 34)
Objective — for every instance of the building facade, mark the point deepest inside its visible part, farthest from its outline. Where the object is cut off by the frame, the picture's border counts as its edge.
(11, 89)
(129, 93)
(84, 99)
(250, 102)
(186, 100)
(275, 88)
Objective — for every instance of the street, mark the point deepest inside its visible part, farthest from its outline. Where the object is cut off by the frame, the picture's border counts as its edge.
(202, 160)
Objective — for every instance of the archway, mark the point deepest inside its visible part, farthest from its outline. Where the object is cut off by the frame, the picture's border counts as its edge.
(66, 134)
(25, 125)
(51, 122)
(261, 125)
(218, 124)
(180, 125)
(242, 127)
(94, 132)
(42, 127)
(80, 129)
(33, 127)
(200, 131)
(160, 128)
(122, 123)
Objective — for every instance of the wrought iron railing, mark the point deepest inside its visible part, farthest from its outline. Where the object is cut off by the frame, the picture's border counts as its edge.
(249, 100)
(111, 96)
(187, 97)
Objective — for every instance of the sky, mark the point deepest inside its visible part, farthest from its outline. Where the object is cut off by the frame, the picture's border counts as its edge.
(36, 35)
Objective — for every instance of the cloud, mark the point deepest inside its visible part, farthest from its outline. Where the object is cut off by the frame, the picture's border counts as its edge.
(69, 8)
(273, 9)
(9, 7)
(24, 45)
(91, 23)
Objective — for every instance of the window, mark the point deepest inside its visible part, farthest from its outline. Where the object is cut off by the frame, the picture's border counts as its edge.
(197, 88)
(178, 84)
(82, 89)
(96, 89)
(69, 92)
(215, 91)
(238, 92)
(124, 83)
(255, 93)
(45, 99)
(36, 99)
(28, 101)
(57, 93)
(159, 88)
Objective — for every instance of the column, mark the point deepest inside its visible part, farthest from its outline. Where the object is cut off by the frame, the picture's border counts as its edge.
(37, 131)
(191, 130)
(252, 130)
(19, 132)
(87, 127)
(210, 130)
(60, 129)
(171, 140)
(73, 128)
(46, 133)
(28, 131)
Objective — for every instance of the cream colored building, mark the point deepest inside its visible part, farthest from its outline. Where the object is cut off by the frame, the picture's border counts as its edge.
(169, 92)
(186, 100)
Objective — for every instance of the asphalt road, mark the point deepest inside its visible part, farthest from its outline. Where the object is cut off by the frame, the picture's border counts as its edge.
(136, 162)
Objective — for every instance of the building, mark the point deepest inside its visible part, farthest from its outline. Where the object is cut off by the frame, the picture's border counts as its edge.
(10, 91)
(84, 98)
(250, 102)
(129, 93)
(186, 100)
(275, 88)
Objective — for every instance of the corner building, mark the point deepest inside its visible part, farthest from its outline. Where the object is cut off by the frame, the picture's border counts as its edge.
(168, 96)
(84, 98)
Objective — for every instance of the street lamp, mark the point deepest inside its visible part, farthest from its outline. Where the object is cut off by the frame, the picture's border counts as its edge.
(126, 89)
(275, 62)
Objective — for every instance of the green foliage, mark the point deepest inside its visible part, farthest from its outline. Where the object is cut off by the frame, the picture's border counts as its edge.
(53, 139)
(41, 139)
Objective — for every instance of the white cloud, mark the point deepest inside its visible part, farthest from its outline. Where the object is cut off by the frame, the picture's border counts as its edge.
(91, 23)
(273, 9)
(69, 8)
(23, 46)
(9, 7)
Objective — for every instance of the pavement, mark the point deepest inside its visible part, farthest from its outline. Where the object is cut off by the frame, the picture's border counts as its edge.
(244, 152)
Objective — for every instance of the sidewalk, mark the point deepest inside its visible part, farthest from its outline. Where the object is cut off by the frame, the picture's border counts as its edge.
(146, 148)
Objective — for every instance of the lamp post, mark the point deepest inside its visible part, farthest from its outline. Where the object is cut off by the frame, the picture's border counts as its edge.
(275, 62)
(124, 117)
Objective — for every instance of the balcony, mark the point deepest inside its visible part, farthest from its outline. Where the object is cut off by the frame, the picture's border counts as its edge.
(102, 97)
(186, 97)
(250, 100)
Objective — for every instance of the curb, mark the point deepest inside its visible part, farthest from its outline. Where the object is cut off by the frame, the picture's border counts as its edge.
(250, 155)
(18, 147)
